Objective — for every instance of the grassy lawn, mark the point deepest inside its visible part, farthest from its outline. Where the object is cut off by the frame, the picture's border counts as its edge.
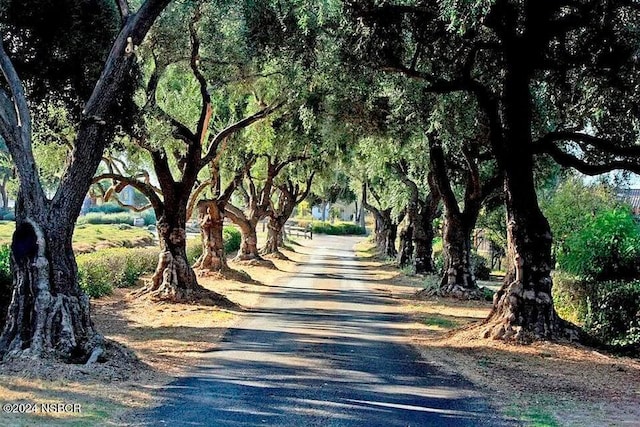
(91, 237)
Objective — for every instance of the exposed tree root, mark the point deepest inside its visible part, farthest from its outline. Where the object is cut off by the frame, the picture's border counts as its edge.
(116, 363)
(227, 274)
(277, 255)
(501, 329)
(196, 296)
(255, 261)
(453, 291)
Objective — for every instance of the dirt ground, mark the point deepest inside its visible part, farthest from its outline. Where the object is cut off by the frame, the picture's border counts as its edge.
(542, 384)
(157, 342)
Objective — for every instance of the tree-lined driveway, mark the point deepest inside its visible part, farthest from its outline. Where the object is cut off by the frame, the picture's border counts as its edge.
(324, 349)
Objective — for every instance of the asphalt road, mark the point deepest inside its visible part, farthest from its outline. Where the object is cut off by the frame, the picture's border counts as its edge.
(325, 349)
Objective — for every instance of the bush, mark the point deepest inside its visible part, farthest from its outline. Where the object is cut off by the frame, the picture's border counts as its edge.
(570, 297)
(613, 313)
(338, 229)
(99, 272)
(110, 218)
(106, 208)
(7, 215)
(607, 248)
(479, 267)
(149, 216)
(6, 281)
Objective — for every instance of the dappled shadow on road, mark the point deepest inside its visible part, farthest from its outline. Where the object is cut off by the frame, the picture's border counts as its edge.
(325, 348)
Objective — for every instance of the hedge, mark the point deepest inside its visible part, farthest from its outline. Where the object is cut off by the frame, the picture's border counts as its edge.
(338, 229)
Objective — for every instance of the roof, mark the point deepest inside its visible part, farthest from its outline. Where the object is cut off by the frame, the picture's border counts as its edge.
(631, 196)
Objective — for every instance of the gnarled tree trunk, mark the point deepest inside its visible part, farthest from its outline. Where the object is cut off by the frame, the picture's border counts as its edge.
(423, 235)
(458, 279)
(275, 235)
(49, 313)
(211, 227)
(390, 239)
(174, 279)
(249, 245)
(405, 254)
(523, 308)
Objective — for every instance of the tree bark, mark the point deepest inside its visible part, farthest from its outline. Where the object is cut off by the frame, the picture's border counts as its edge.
(405, 254)
(174, 279)
(390, 238)
(3, 193)
(49, 314)
(275, 237)
(523, 308)
(423, 235)
(458, 279)
(249, 245)
(211, 227)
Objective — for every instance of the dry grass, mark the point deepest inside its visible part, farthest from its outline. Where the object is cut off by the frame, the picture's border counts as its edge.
(161, 340)
(541, 384)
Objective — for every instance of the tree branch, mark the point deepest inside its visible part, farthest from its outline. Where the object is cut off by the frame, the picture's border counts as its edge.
(235, 127)
(193, 199)
(146, 189)
(123, 7)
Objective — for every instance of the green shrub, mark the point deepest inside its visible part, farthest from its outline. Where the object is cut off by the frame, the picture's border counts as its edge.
(99, 272)
(613, 313)
(607, 248)
(106, 208)
(149, 216)
(338, 229)
(6, 281)
(232, 239)
(110, 218)
(479, 267)
(7, 215)
(570, 297)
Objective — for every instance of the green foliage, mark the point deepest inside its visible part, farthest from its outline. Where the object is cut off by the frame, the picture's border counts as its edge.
(99, 272)
(232, 239)
(338, 229)
(479, 267)
(5, 269)
(606, 248)
(609, 311)
(574, 205)
(106, 208)
(149, 216)
(613, 313)
(7, 215)
(110, 218)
